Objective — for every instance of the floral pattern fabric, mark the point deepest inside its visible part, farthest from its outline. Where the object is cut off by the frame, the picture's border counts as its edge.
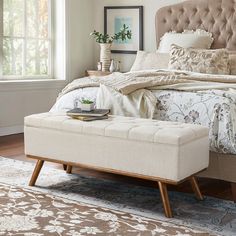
(30, 213)
(213, 109)
(199, 60)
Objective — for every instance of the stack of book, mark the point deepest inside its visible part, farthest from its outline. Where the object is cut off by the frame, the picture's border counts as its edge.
(96, 114)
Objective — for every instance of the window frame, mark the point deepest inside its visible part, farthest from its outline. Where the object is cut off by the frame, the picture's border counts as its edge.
(25, 38)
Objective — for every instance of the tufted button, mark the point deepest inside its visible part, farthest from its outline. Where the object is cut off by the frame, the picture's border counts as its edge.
(170, 11)
(176, 21)
(224, 21)
(164, 21)
(187, 22)
(207, 10)
(181, 10)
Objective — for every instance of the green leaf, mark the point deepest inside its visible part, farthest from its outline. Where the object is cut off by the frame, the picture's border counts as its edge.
(122, 35)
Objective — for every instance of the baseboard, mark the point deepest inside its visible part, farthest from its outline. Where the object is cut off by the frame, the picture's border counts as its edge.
(11, 130)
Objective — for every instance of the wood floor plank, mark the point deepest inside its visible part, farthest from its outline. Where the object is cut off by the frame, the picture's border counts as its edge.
(12, 146)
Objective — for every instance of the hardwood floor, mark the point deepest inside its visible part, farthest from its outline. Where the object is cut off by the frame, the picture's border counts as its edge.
(13, 147)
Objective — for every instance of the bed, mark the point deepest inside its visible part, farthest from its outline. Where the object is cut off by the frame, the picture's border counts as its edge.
(219, 18)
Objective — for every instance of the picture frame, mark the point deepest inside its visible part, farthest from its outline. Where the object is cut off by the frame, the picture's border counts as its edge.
(132, 16)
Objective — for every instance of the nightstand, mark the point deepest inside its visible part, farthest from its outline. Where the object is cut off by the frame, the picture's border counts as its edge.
(96, 73)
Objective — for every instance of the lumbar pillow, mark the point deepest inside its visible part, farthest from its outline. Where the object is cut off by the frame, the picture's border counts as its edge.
(150, 60)
(199, 60)
(187, 39)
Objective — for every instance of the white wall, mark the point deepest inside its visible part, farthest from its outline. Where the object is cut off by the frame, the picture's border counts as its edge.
(21, 100)
(81, 23)
(150, 8)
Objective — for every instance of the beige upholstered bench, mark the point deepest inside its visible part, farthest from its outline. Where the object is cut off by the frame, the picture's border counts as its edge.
(166, 152)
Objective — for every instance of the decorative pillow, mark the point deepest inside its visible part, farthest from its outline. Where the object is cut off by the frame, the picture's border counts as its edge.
(198, 60)
(232, 63)
(187, 39)
(150, 60)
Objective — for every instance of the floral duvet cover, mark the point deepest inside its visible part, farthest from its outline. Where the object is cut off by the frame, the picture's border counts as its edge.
(215, 109)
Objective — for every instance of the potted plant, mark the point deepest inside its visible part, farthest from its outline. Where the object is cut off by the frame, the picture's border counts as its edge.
(105, 41)
(86, 104)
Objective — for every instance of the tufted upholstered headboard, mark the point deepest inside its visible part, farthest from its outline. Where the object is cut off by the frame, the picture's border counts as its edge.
(215, 16)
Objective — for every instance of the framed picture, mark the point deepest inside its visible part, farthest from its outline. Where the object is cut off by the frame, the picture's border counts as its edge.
(131, 16)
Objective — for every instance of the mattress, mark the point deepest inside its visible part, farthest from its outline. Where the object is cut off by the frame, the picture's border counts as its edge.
(212, 109)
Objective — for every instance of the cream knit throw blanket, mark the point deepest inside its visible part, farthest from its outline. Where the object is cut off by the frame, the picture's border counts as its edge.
(130, 82)
(131, 93)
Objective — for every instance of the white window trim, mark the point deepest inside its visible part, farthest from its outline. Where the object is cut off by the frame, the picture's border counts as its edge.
(29, 78)
(24, 85)
(60, 78)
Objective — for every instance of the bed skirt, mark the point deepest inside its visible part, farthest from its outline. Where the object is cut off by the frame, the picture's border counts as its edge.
(222, 166)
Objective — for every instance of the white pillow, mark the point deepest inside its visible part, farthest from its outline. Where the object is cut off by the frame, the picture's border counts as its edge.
(150, 60)
(188, 39)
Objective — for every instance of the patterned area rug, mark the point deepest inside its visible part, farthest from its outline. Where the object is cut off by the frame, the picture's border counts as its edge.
(31, 213)
(117, 200)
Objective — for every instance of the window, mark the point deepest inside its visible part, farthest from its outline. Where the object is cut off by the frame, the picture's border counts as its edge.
(26, 39)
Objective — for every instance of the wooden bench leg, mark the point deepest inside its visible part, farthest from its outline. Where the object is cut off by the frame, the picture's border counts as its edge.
(36, 172)
(233, 188)
(165, 199)
(68, 169)
(196, 188)
(64, 166)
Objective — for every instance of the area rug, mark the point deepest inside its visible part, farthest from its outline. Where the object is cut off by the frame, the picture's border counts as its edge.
(30, 213)
(212, 216)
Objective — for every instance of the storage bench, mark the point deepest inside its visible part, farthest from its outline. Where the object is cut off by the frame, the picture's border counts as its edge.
(166, 152)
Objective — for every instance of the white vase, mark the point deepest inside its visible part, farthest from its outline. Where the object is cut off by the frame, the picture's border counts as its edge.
(113, 66)
(118, 66)
(105, 56)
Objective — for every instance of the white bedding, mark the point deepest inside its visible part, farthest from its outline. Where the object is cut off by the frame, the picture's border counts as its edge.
(215, 109)
(71, 99)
